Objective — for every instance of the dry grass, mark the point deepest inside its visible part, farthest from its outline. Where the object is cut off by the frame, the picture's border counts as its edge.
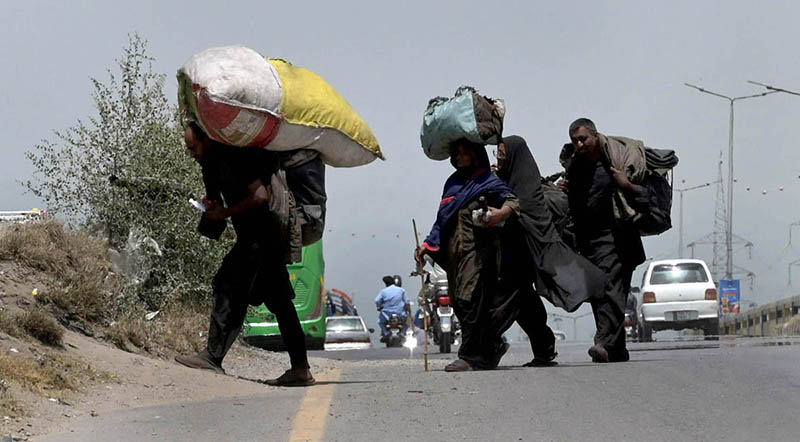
(53, 373)
(179, 328)
(36, 376)
(83, 295)
(76, 262)
(9, 405)
(43, 327)
(35, 323)
(9, 324)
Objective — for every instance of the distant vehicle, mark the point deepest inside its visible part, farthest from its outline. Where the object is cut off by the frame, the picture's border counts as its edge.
(347, 333)
(307, 278)
(395, 325)
(23, 216)
(340, 303)
(443, 325)
(631, 316)
(678, 294)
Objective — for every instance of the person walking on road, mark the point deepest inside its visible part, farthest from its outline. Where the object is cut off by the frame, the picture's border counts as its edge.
(616, 248)
(534, 255)
(467, 247)
(254, 270)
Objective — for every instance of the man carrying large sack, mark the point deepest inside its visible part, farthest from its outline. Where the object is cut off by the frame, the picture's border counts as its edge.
(592, 184)
(254, 271)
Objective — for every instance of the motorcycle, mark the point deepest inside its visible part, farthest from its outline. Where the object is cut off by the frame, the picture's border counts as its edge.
(631, 330)
(444, 327)
(395, 338)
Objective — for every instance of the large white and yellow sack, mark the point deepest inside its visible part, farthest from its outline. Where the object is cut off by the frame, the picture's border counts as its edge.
(243, 99)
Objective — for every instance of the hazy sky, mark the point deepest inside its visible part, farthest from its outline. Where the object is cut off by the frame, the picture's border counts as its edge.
(623, 64)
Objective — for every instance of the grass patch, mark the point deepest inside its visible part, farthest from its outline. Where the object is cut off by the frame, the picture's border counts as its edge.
(179, 328)
(9, 405)
(83, 295)
(43, 327)
(53, 374)
(9, 324)
(35, 323)
(76, 262)
(36, 376)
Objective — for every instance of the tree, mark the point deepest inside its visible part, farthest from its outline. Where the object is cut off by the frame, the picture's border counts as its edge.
(126, 173)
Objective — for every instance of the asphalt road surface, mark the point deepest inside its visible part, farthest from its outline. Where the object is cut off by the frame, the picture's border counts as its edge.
(728, 390)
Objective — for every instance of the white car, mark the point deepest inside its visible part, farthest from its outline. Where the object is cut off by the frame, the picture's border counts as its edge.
(678, 294)
(347, 333)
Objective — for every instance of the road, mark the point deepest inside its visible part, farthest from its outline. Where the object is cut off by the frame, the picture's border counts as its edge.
(732, 390)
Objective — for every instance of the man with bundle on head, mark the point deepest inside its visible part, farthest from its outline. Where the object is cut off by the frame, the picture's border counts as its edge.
(263, 131)
(240, 185)
(596, 190)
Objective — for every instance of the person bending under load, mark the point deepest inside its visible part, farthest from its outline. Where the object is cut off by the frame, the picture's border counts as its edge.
(254, 270)
(468, 249)
(615, 248)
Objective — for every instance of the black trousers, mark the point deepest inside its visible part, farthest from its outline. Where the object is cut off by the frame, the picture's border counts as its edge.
(609, 311)
(252, 273)
(532, 319)
(519, 302)
(479, 339)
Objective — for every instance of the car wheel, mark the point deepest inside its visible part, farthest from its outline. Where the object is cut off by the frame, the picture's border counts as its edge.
(444, 343)
(645, 332)
(711, 330)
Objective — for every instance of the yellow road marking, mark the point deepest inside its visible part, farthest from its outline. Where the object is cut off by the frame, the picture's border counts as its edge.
(309, 422)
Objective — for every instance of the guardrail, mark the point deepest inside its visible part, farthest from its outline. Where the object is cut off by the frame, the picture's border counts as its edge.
(765, 320)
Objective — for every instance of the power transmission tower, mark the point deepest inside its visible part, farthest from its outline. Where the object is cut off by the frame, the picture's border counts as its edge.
(718, 237)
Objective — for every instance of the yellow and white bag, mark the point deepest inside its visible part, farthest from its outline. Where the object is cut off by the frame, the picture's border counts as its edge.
(243, 99)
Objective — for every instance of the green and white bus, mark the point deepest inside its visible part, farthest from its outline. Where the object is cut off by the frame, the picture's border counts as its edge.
(308, 280)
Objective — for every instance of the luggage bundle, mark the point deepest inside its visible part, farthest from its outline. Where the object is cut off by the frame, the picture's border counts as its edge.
(467, 115)
(658, 180)
(652, 169)
(242, 99)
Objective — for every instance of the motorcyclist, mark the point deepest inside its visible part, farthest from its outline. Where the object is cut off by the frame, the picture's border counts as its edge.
(392, 300)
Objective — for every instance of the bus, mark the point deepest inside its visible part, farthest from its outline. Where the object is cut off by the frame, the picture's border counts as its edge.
(308, 281)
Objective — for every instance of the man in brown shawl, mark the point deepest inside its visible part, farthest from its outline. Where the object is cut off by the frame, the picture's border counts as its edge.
(615, 247)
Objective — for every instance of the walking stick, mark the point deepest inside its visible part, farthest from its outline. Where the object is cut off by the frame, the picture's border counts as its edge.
(421, 272)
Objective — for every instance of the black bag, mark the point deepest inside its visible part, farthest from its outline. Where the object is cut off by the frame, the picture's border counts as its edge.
(656, 217)
(305, 177)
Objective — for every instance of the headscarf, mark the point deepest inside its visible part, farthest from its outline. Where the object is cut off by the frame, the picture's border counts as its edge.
(464, 186)
(562, 276)
(521, 173)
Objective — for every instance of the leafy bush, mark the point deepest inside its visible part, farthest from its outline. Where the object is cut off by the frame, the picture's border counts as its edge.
(124, 173)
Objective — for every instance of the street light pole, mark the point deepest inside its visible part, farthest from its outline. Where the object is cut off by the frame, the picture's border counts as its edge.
(729, 230)
(680, 221)
(558, 317)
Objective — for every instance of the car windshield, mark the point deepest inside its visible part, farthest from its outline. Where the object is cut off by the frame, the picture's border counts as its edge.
(683, 273)
(345, 324)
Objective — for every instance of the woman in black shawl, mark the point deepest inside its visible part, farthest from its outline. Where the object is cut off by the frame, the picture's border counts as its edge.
(542, 260)
(468, 249)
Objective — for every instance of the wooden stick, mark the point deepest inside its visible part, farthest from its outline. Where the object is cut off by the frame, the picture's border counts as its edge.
(421, 273)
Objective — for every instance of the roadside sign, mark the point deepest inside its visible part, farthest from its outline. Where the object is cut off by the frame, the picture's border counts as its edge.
(729, 296)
